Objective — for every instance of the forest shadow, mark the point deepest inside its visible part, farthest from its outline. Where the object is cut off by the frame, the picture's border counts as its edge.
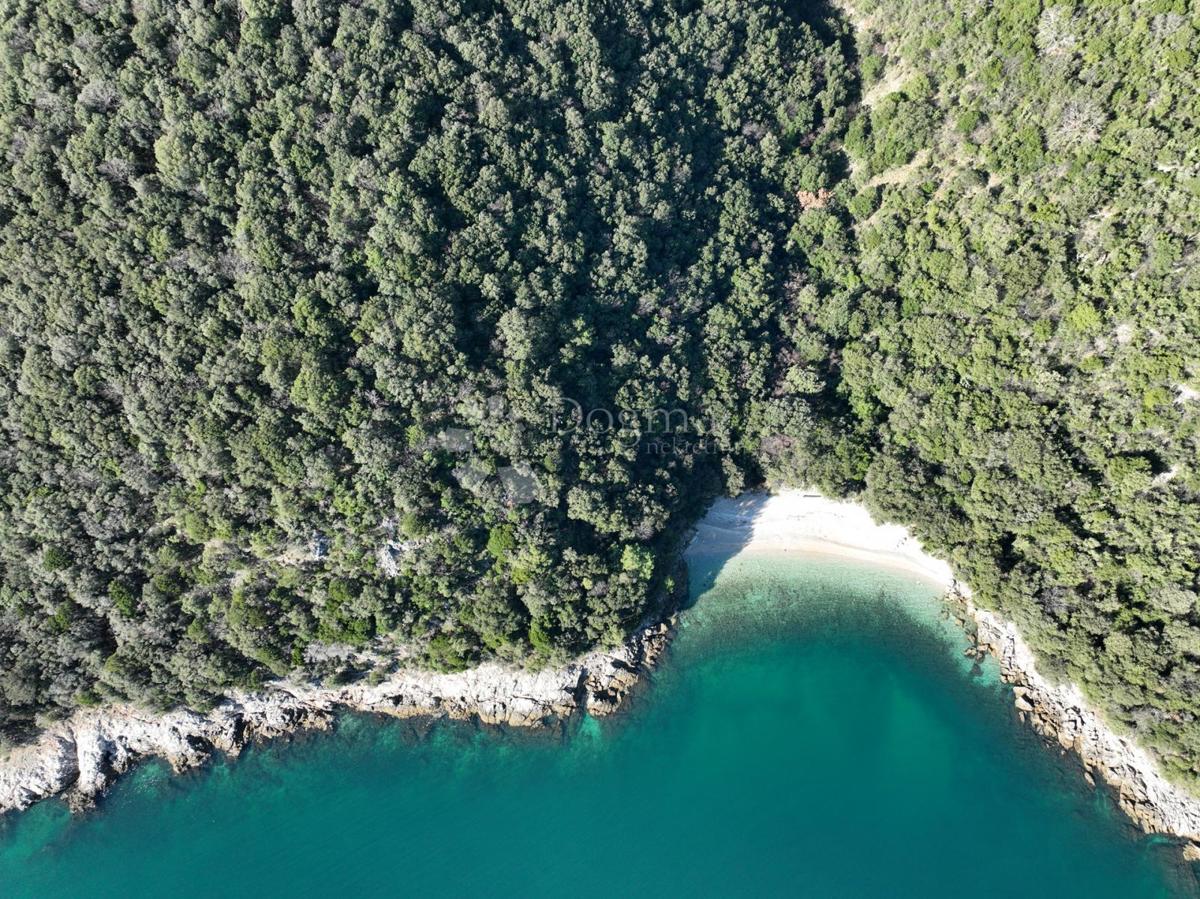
(720, 534)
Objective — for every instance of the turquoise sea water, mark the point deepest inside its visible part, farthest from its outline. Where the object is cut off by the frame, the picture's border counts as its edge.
(815, 731)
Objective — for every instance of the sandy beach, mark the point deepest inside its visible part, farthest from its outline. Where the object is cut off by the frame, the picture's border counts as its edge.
(81, 756)
(800, 522)
(803, 522)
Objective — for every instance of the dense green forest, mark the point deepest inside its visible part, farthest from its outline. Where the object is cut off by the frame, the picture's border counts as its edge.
(1027, 204)
(355, 325)
(300, 299)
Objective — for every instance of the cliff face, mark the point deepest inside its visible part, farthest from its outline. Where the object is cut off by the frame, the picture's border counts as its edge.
(80, 757)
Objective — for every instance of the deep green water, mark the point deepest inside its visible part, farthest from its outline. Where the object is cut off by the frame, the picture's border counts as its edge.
(814, 732)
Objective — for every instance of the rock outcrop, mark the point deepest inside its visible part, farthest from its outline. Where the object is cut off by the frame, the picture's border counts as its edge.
(80, 757)
(1061, 714)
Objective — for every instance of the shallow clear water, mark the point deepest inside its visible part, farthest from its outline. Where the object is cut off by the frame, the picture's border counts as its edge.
(815, 731)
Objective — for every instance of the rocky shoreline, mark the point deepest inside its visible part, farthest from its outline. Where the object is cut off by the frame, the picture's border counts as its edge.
(792, 521)
(79, 758)
(1061, 715)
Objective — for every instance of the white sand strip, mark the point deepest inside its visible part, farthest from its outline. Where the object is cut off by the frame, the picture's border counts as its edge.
(801, 522)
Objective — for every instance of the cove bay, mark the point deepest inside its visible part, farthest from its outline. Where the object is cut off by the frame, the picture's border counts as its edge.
(815, 730)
